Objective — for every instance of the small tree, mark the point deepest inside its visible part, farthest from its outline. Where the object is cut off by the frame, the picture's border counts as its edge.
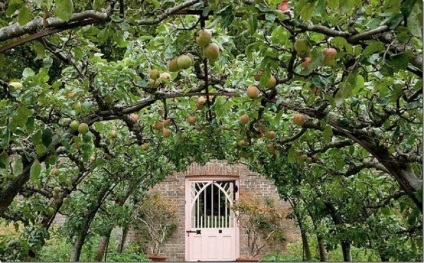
(263, 223)
(157, 219)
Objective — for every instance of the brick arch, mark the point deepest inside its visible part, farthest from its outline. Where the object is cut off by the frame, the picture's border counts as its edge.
(251, 183)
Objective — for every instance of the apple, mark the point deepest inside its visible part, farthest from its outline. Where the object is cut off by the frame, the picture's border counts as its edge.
(54, 171)
(244, 119)
(166, 122)
(203, 37)
(76, 106)
(153, 73)
(199, 106)
(50, 211)
(173, 65)
(158, 126)
(252, 92)
(154, 83)
(56, 189)
(201, 100)
(302, 48)
(16, 85)
(166, 132)
(270, 134)
(74, 125)
(211, 52)
(271, 148)
(113, 133)
(83, 128)
(330, 54)
(257, 75)
(165, 76)
(299, 119)
(191, 120)
(283, 6)
(272, 82)
(184, 61)
(134, 116)
(145, 146)
(70, 94)
(305, 62)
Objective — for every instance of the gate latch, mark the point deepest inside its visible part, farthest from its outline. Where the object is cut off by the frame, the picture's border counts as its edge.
(197, 231)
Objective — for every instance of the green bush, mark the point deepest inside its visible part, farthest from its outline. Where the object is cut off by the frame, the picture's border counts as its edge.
(276, 257)
(125, 257)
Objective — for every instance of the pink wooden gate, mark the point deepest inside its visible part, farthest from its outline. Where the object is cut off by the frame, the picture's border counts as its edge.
(211, 228)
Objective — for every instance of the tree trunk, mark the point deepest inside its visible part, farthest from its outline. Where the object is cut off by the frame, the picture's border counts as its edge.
(347, 256)
(123, 239)
(322, 250)
(104, 241)
(76, 249)
(305, 244)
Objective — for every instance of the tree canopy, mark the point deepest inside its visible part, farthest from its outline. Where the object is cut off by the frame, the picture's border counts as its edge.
(99, 100)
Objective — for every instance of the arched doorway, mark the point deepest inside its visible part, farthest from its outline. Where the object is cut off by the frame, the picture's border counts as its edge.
(211, 228)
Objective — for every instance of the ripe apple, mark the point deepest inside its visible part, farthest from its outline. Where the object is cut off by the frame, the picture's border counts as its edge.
(302, 48)
(83, 128)
(16, 85)
(74, 125)
(70, 94)
(54, 171)
(299, 119)
(283, 6)
(203, 37)
(201, 100)
(305, 62)
(244, 119)
(113, 133)
(153, 73)
(211, 52)
(330, 55)
(270, 134)
(166, 132)
(199, 106)
(272, 82)
(191, 120)
(165, 76)
(184, 61)
(252, 92)
(173, 65)
(158, 126)
(271, 148)
(166, 122)
(257, 75)
(134, 116)
(145, 146)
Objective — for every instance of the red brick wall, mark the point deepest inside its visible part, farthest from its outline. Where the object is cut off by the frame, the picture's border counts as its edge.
(173, 188)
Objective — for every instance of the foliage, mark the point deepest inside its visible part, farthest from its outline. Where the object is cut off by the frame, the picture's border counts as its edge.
(262, 222)
(276, 257)
(157, 218)
(126, 257)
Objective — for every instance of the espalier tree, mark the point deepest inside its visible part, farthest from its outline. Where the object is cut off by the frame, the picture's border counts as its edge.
(99, 100)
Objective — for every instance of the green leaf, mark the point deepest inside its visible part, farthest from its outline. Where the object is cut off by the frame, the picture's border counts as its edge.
(98, 4)
(399, 61)
(395, 21)
(373, 47)
(18, 167)
(46, 137)
(24, 16)
(227, 16)
(407, 6)
(35, 171)
(13, 6)
(333, 4)
(64, 9)
(327, 133)
(4, 160)
(253, 23)
(415, 20)
(307, 10)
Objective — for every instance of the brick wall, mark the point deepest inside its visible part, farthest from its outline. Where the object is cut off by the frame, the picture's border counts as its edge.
(252, 184)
